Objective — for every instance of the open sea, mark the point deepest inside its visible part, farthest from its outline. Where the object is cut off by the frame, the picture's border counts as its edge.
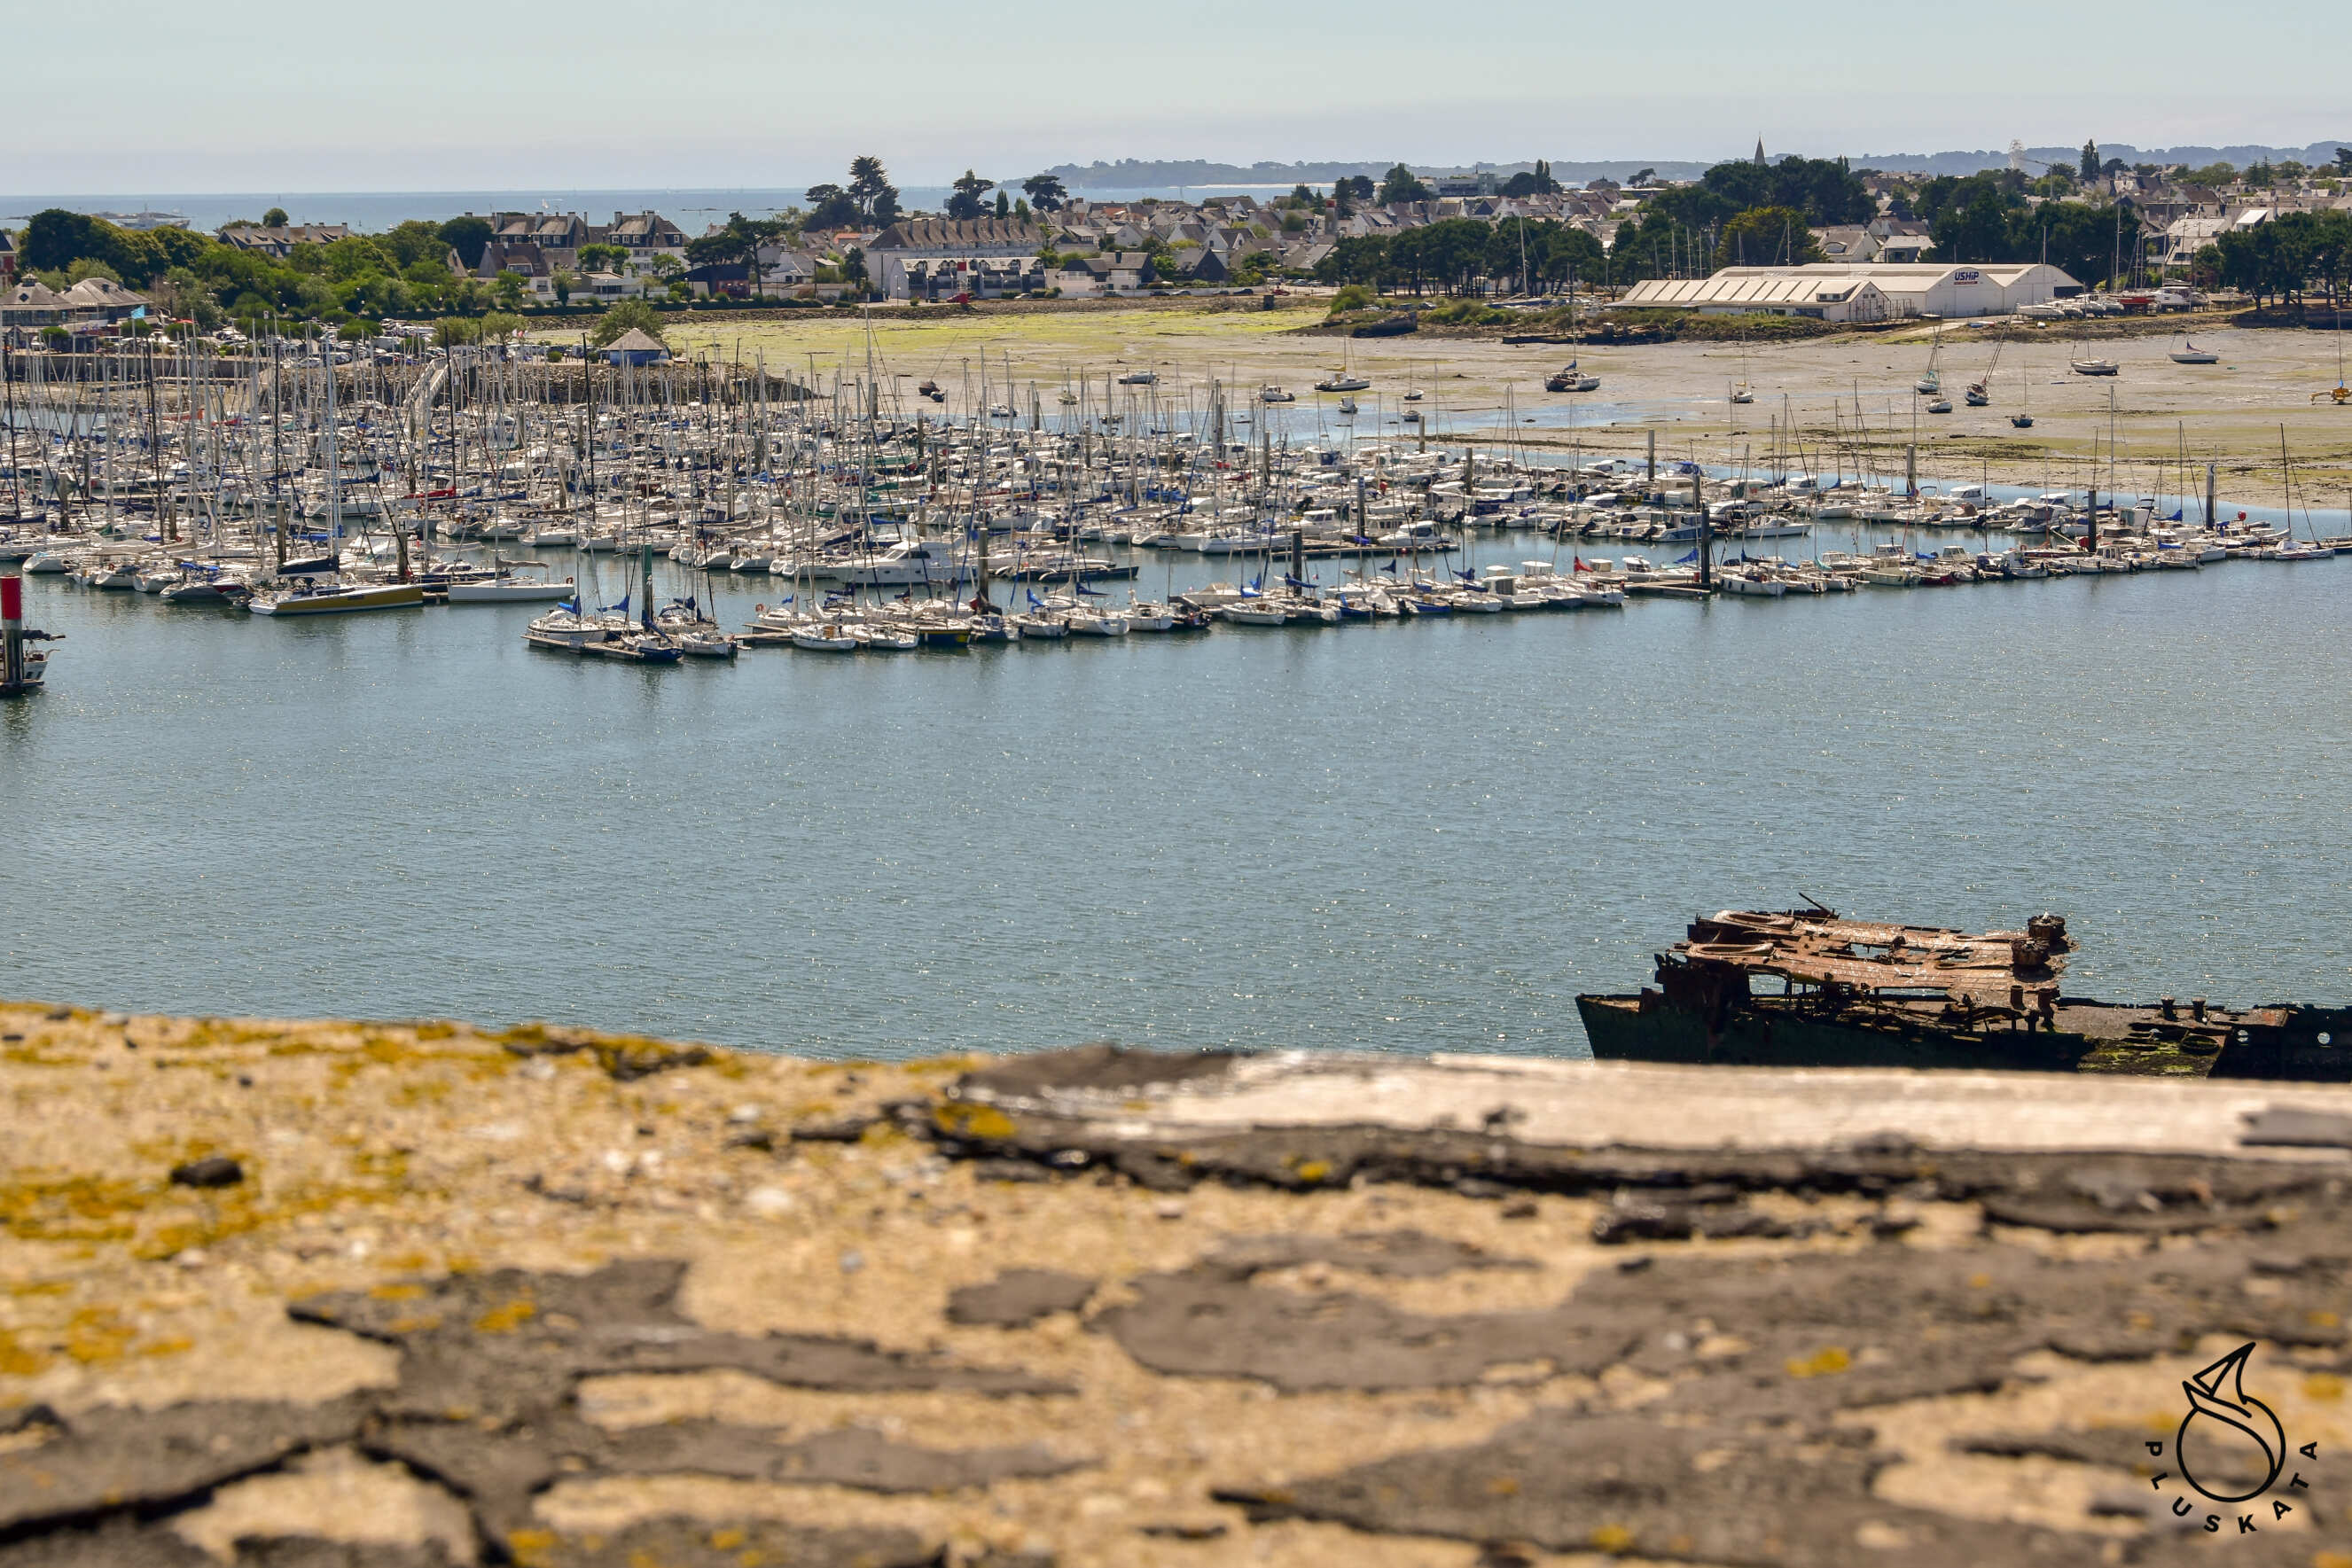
(1415, 835)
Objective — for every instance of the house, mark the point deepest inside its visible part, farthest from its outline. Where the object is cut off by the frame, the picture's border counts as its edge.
(636, 347)
(783, 270)
(942, 239)
(609, 287)
(2184, 237)
(7, 256)
(1901, 241)
(278, 241)
(558, 236)
(982, 277)
(519, 256)
(103, 301)
(1846, 241)
(32, 303)
(723, 279)
(644, 235)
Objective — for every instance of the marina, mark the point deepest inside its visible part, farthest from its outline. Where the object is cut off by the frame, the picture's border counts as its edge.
(1179, 715)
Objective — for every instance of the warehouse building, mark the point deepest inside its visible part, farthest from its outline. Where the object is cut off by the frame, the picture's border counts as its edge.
(1862, 291)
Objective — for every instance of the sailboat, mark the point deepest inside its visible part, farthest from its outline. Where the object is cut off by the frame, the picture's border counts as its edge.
(1741, 389)
(1979, 392)
(1932, 383)
(2023, 417)
(1343, 379)
(2190, 354)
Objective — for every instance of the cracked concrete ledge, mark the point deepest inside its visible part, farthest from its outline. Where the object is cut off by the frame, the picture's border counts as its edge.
(454, 1297)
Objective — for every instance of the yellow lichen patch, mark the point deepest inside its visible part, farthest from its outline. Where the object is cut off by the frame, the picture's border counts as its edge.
(531, 1547)
(1612, 1538)
(433, 1029)
(172, 1345)
(1313, 1172)
(97, 1335)
(1821, 1363)
(18, 1360)
(959, 1120)
(507, 1318)
(2321, 1319)
(2323, 1385)
(398, 1292)
(73, 1208)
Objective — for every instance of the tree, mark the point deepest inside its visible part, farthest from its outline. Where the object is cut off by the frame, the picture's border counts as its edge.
(413, 242)
(628, 315)
(870, 188)
(2090, 165)
(2261, 174)
(1045, 192)
(666, 265)
(1643, 177)
(468, 236)
(1004, 205)
(1400, 184)
(564, 283)
(830, 207)
(2217, 173)
(853, 267)
(1302, 194)
(508, 287)
(964, 200)
(1536, 183)
(275, 218)
(603, 257)
(1358, 187)
(500, 324)
(1767, 237)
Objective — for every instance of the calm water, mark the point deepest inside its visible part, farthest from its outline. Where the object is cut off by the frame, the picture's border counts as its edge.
(1406, 835)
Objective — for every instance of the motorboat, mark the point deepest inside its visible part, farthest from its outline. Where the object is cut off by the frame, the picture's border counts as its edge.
(313, 597)
(1273, 393)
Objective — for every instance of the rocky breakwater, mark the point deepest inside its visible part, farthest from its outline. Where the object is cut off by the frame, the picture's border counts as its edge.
(406, 1294)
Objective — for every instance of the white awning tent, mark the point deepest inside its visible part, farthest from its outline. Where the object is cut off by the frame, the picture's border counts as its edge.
(1862, 291)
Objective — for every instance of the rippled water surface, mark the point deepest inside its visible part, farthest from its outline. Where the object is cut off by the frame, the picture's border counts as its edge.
(1426, 834)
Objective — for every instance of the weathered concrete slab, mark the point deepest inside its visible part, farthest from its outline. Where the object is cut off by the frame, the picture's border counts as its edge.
(1138, 1097)
(1527, 1308)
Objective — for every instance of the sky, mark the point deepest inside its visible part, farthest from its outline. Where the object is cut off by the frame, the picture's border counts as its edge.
(445, 95)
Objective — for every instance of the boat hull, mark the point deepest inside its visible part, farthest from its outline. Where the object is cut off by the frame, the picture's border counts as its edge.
(345, 602)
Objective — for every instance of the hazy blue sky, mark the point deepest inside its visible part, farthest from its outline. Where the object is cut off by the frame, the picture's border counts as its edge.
(111, 95)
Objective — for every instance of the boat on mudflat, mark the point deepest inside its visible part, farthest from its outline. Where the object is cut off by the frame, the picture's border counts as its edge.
(1857, 993)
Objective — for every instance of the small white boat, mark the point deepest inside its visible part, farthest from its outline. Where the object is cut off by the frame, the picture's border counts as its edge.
(510, 590)
(1039, 628)
(2094, 367)
(1273, 393)
(1086, 623)
(824, 639)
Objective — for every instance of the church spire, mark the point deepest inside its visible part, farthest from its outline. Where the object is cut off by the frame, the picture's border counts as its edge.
(1760, 153)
